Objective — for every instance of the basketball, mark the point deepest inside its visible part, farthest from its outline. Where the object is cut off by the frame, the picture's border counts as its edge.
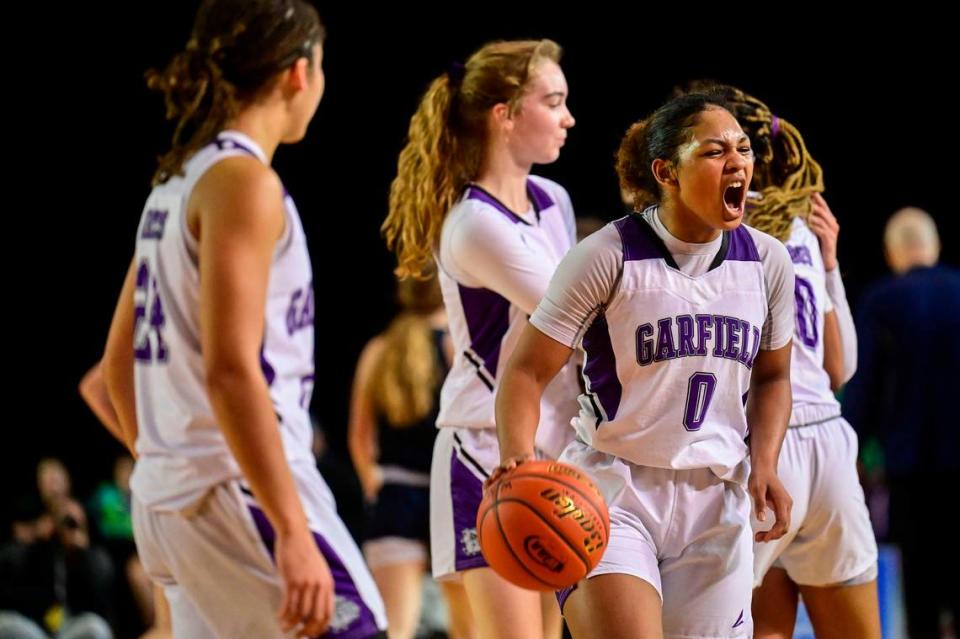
(543, 526)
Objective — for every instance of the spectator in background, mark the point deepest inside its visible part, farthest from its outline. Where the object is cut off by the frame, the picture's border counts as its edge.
(904, 394)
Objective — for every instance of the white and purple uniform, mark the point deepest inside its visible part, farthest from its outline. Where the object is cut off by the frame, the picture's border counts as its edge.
(830, 540)
(200, 532)
(494, 265)
(670, 331)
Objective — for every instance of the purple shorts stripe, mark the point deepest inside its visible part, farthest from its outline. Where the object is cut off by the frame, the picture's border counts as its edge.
(356, 620)
(466, 493)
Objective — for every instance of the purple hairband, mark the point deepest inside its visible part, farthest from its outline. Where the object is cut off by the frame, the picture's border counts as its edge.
(456, 71)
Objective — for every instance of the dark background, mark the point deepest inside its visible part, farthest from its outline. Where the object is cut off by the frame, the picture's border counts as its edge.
(870, 96)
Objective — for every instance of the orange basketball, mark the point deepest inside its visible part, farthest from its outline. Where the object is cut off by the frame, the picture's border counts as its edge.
(543, 526)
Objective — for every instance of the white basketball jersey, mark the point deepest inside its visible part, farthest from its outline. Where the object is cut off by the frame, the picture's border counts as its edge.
(809, 380)
(182, 451)
(668, 356)
(485, 324)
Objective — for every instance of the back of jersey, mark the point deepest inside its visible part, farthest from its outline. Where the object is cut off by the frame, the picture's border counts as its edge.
(809, 381)
(182, 451)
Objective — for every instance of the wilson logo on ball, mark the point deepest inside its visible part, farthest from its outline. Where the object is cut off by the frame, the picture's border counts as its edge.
(566, 507)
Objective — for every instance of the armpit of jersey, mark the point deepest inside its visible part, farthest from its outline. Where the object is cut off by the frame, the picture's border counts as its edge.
(482, 249)
(779, 276)
(583, 283)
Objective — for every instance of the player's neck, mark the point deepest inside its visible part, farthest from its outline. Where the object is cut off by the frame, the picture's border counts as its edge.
(503, 178)
(684, 224)
(257, 124)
